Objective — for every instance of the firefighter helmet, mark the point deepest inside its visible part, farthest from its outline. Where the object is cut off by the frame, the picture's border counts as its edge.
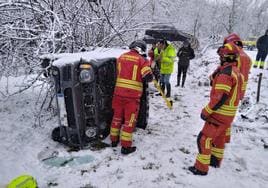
(233, 37)
(228, 52)
(138, 45)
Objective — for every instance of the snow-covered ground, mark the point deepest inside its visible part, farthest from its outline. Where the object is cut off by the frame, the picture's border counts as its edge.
(165, 149)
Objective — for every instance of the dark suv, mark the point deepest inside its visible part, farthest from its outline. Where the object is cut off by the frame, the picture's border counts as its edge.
(84, 89)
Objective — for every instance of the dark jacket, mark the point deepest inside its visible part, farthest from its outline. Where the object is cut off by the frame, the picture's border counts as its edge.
(262, 43)
(185, 54)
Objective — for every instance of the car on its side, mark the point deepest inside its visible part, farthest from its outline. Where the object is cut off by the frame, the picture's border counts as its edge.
(84, 84)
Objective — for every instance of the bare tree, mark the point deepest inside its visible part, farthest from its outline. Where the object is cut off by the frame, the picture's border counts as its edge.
(34, 27)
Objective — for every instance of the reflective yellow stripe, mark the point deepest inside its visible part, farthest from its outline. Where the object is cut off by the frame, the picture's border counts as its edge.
(239, 62)
(229, 46)
(132, 120)
(244, 87)
(228, 132)
(126, 136)
(223, 87)
(119, 68)
(227, 109)
(144, 70)
(243, 82)
(129, 86)
(130, 57)
(230, 108)
(114, 132)
(262, 63)
(243, 78)
(126, 81)
(218, 155)
(209, 110)
(204, 159)
(217, 152)
(224, 112)
(234, 96)
(208, 143)
(134, 73)
(256, 63)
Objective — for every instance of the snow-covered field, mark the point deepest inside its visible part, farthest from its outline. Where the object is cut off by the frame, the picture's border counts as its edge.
(165, 149)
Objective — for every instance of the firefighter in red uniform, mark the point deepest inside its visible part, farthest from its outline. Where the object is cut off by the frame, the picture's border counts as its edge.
(132, 70)
(220, 111)
(243, 64)
(244, 61)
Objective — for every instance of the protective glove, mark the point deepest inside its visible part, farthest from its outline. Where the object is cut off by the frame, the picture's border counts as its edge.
(204, 114)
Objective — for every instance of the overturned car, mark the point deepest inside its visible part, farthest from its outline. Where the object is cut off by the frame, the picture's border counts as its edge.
(84, 85)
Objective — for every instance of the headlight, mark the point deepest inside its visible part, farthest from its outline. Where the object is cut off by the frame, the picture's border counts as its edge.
(86, 75)
(91, 132)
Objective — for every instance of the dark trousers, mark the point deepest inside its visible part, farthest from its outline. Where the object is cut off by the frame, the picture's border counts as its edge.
(182, 71)
(261, 55)
(165, 83)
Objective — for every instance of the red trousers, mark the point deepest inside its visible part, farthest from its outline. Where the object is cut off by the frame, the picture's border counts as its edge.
(210, 142)
(124, 120)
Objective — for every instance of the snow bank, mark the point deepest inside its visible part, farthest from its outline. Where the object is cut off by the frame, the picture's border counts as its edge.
(98, 53)
(164, 151)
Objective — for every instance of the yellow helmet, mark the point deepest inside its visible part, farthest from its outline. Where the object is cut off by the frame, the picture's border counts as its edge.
(23, 181)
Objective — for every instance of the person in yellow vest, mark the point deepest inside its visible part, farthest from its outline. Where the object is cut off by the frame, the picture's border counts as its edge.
(166, 58)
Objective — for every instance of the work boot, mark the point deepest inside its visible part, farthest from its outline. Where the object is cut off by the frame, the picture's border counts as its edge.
(168, 91)
(255, 66)
(261, 67)
(196, 171)
(178, 82)
(128, 150)
(114, 144)
(214, 162)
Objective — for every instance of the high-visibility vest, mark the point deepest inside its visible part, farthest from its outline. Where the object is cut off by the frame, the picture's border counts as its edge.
(168, 56)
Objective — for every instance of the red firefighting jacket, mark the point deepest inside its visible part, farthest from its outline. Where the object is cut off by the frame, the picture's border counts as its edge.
(244, 65)
(226, 81)
(131, 69)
